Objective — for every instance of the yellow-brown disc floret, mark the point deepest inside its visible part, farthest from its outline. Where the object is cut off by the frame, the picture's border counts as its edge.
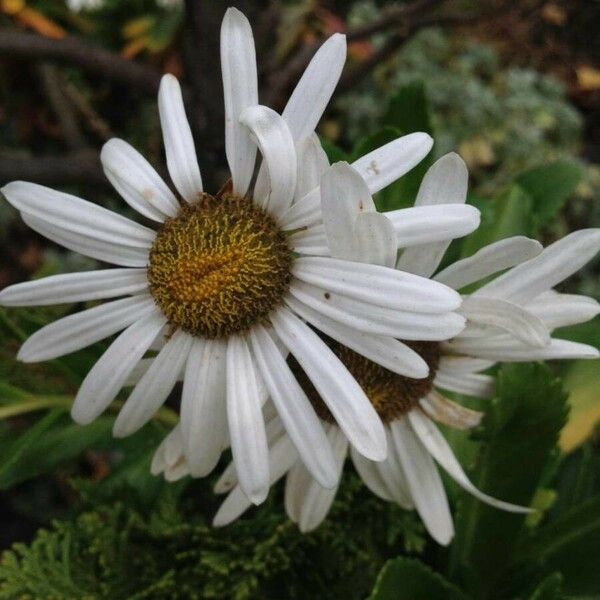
(221, 265)
(391, 395)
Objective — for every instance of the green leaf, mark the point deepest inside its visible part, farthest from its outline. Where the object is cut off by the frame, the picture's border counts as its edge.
(571, 545)
(334, 153)
(550, 186)
(409, 579)
(549, 589)
(520, 430)
(408, 110)
(506, 215)
(374, 141)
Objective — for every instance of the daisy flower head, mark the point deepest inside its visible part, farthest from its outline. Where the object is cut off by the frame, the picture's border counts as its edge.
(508, 319)
(218, 287)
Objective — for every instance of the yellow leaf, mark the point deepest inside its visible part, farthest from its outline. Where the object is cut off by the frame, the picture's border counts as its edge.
(588, 78)
(12, 7)
(137, 27)
(41, 24)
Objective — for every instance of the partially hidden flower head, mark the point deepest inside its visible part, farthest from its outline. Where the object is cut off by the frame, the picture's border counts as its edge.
(221, 290)
(508, 319)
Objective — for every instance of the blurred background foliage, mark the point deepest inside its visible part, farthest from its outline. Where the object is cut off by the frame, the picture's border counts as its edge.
(512, 87)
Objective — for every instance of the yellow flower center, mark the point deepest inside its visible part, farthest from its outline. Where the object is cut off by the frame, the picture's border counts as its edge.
(391, 395)
(221, 265)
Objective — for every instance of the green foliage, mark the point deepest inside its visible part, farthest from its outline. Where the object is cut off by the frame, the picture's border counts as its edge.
(117, 551)
(410, 579)
(519, 431)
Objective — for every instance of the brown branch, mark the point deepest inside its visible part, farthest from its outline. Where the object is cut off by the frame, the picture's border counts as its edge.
(75, 167)
(73, 51)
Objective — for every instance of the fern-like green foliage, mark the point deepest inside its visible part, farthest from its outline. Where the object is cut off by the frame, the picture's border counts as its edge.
(117, 551)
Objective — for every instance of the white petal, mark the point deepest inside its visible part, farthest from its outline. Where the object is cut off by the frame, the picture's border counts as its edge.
(203, 406)
(75, 287)
(464, 364)
(424, 482)
(136, 181)
(275, 141)
(344, 195)
(312, 163)
(246, 426)
(177, 471)
(388, 163)
(391, 472)
(179, 143)
(507, 316)
(436, 444)
(383, 350)
(560, 310)
(374, 240)
(294, 408)
(557, 262)
(315, 88)
(118, 254)
(489, 260)
(304, 212)
(84, 328)
(507, 350)
(376, 285)
(240, 88)
(448, 412)
(471, 384)
(110, 372)
(376, 319)
(343, 396)
(425, 224)
(154, 387)
(76, 215)
(367, 469)
(307, 503)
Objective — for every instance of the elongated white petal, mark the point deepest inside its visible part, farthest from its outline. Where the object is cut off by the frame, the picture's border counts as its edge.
(76, 215)
(179, 143)
(312, 163)
(84, 328)
(424, 482)
(117, 254)
(489, 260)
(506, 350)
(155, 385)
(345, 399)
(518, 322)
(378, 169)
(464, 364)
(383, 350)
(274, 139)
(75, 287)
(136, 181)
(391, 472)
(560, 310)
(164, 455)
(376, 319)
(388, 163)
(425, 224)
(344, 195)
(240, 88)
(557, 262)
(294, 408)
(374, 240)
(471, 384)
(282, 456)
(307, 503)
(203, 406)
(438, 447)
(369, 473)
(315, 88)
(448, 412)
(110, 372)
(376, 285)
(246, 426)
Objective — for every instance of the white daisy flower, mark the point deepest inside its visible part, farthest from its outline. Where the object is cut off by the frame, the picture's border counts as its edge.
(216, 286)
(508, 319)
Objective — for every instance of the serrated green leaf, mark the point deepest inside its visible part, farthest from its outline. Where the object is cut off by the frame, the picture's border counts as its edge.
(520, 430)
(409, 579)
(549, 589)
(571, 545)
(550, 186)
(504, 216)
